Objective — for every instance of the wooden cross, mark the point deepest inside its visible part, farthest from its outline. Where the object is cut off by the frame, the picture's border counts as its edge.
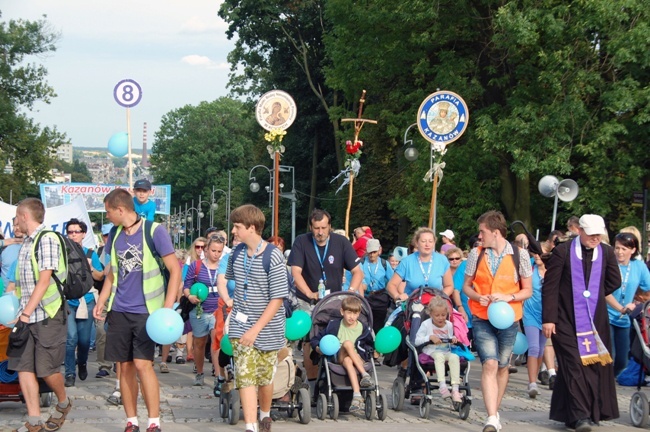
(358, 124)
(587, 344)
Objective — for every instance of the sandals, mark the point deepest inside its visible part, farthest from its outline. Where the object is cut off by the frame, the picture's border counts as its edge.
(29, 428)
(54, 424)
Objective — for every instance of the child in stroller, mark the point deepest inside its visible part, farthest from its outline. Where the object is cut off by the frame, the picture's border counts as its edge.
(334, 381)
(436, 336)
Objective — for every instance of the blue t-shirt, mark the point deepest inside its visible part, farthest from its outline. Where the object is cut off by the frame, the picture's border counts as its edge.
(9, 256)
(532, 314)
(147, 210)
(410, 271)
(638, 276)
(128, 249)
(97, 265)
(375, 276)
(223, 265)
(459, 279)
(11, 275)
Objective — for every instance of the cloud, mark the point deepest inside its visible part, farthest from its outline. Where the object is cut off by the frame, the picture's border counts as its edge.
(199, 60)
(199, 25)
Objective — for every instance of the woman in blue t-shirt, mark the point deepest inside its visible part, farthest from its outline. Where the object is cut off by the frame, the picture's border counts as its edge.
(423, 268)
(634, 275)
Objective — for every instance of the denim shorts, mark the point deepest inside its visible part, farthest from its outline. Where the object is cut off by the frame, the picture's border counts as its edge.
(202, 326)
(492, 343)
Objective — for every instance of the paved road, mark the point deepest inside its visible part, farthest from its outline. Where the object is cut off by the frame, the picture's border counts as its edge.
(187, 408)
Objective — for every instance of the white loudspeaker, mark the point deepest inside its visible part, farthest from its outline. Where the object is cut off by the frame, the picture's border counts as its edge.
(548, 186)
(567, 190)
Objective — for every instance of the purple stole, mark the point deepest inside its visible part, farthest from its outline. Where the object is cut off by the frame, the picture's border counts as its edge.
(585, 299)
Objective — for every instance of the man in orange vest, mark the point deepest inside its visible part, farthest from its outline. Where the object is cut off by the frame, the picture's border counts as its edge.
(491, 275)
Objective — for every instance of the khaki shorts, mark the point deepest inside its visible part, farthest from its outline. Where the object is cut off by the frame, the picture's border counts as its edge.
(45, 348)
(253, 368)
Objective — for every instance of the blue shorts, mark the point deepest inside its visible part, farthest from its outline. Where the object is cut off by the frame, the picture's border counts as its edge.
(202, 326)
(492, 343)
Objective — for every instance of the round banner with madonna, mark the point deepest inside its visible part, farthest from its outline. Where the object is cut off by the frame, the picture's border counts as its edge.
(275, 110)
(443, 117)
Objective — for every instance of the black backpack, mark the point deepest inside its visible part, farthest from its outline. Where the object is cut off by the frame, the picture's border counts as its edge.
(79, 278)
(97, 284)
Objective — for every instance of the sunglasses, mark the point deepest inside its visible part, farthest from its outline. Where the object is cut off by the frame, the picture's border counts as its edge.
(453, 259)
(219, 238)
(75, 232)
(198, 247)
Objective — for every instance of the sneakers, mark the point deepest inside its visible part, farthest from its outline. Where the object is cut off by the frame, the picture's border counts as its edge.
(265, 424)
(543, 377)
(456, 397)
(69, 381)
(164, 368)
(83, 372)
(532, 390)
(356, 404)
(551, 382)
(116, 399)
(444, 392)
(103, 373)
(492, 424)
(153, 428)
(180, 360)
(218, 383)
(366, 381)
(198, 380)
(512, 369)
(130, 427)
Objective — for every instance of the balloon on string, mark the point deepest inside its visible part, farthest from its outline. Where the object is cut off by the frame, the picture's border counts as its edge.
(164, 326)
(226, 345)
(521, 344)
(118, 144)
(388, 340)
(501, 315)
(298, 325)
(199, 290)
(8, 309)
(329, 345)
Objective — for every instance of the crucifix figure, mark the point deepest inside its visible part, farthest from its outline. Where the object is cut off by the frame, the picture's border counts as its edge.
(358, 124)
(587, 344)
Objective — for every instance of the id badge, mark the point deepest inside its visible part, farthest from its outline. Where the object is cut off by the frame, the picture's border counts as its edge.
(241, 317)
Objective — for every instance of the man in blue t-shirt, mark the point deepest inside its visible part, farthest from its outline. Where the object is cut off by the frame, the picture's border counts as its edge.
(144, 207)
(129, 343)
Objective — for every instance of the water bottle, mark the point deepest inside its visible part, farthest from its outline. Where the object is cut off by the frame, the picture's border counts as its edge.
(321, 289)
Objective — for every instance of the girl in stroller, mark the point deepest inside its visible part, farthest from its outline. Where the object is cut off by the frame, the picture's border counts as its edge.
(437, 333)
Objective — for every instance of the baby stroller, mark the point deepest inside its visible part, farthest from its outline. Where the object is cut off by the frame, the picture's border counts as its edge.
(290, 392)
(333, 391)
(414, 383)
(640, 350)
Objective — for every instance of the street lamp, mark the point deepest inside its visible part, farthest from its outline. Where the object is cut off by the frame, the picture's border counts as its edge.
(201, 215)
(214, 206)
(255, 187)
(189, 218)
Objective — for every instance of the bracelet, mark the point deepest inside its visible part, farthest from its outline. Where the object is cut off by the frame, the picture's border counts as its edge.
(25, 315)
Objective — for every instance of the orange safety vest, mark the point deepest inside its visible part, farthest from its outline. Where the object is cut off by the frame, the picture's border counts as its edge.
(504, 282)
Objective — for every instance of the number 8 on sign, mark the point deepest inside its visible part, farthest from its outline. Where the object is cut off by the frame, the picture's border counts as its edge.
(127, 93)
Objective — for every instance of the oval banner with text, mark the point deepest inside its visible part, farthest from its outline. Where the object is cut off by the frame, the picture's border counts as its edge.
(443, 117)
(275, 110)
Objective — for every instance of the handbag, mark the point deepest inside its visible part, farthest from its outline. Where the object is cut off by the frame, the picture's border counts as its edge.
(18, 339)
(184, 305)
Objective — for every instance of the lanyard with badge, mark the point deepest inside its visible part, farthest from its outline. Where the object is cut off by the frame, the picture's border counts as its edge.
(213, 279)
(373, 275)
(428, 273)
(240, 316)
(624, 284)
(321, 259)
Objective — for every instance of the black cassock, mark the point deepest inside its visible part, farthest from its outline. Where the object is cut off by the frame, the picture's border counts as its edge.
(580, 391)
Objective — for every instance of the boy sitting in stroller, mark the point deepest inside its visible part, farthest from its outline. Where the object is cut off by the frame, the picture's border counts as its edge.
(356, 344)
(440, 332)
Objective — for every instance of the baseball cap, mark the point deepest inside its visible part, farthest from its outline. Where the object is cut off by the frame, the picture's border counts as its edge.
(372, 245)
(106, 228)
(593, 224)
(448, 233)
(142, 184)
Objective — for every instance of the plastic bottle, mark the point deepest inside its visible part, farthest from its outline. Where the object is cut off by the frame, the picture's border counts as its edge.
(321, 289)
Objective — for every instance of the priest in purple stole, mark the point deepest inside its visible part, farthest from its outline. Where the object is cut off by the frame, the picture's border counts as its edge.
(580, 274)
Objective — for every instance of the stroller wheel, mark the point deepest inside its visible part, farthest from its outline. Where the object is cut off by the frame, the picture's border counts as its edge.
(334, 411)
(425, 407)
(382, 407)
(233, 407)
(321, 406)
(303, 402)
(223, 404)
(463, 410)
(371, 405)
(398, 394)
(639, 409)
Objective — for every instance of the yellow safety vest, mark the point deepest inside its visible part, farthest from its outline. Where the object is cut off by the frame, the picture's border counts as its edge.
(51, 301)
(153, 282)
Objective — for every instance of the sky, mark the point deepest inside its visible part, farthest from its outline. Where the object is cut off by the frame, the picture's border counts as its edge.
(175, 49)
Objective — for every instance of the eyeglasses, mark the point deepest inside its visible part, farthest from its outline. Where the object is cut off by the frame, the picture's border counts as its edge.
(453, 259)
(198, 247)
(217, 237)
(75, 232)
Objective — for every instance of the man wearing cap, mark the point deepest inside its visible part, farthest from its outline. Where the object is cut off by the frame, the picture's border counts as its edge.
(580, 274)
(376, 274)
(447, 237)
(144, 207)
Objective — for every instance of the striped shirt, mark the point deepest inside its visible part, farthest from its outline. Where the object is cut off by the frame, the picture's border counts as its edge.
(525, 267)
(253, 299)
(48, 259)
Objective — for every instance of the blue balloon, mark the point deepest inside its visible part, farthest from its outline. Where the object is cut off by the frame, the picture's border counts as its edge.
(521, 344)
(501, 315)
(329, 345)
(8, 309)
(165, 326)
(118, 145)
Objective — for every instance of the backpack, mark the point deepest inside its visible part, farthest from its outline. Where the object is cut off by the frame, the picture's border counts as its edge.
(266, 263)
(184, 305)
(79, 278)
